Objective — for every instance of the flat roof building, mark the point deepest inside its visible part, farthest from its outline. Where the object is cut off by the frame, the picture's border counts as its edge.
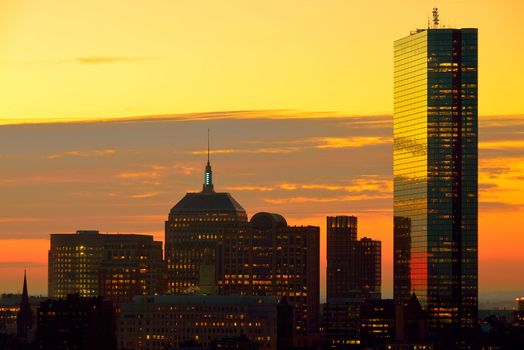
(115, 266)
(169, 321)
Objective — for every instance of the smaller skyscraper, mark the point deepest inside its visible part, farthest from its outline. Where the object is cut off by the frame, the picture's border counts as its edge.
(115, 266)
(353, 266)
(353, 276)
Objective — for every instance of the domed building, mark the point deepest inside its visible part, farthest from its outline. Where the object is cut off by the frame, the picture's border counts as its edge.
(194, 226)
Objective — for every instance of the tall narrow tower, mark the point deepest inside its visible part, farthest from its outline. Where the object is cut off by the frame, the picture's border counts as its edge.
(436, 175)
(24, 318)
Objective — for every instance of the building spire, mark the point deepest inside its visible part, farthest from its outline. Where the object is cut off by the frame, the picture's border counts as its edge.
(208, 179)
(24, 318)
(25, 295)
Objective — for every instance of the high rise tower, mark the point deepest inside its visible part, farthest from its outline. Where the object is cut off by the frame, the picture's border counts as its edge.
(193, 228)
(436, 175)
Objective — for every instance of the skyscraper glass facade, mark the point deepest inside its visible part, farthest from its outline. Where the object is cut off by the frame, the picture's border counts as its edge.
(435, 174)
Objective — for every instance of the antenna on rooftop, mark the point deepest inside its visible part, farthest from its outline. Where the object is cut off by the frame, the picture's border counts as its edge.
(435, 17)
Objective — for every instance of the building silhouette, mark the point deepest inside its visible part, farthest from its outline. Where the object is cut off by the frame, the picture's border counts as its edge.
(114, 266)
(435, 178)
(272, 258)
(353, 276)
(377, 322)
(212, 249)
(353, 266)
(194, 226)
(24, 318)
(170, 321)
(76, 323)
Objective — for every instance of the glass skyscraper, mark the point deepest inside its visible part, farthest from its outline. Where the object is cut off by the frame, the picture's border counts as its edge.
(436, 175)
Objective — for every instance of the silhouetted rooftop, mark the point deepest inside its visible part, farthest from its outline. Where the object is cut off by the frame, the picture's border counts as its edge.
(265, 221)
(207, 202)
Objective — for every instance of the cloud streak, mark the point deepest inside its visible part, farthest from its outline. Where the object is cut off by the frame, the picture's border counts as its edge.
(350, 141)
(256, 150)
(85, 153)
(93, 60)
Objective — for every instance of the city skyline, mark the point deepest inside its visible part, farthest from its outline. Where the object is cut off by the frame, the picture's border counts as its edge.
(306, 194)
(261, 175)
(306, 189)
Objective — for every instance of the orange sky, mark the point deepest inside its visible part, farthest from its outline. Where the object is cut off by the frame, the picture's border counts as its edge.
(94, 60)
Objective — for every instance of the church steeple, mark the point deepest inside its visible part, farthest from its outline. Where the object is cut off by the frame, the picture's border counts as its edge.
(24, 319)
(208, 178)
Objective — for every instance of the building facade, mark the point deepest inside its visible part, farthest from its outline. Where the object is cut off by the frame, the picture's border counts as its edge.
(115, 266)
(169, 321)
(274, 259)
(436, 175)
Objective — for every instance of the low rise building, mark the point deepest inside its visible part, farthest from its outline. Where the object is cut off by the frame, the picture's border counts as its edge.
(170, 321)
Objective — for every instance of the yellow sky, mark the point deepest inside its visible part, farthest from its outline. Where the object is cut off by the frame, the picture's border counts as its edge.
(98, 58)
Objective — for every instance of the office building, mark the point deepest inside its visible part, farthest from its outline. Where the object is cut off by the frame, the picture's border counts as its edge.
(194, 226)
(353, 276)
(341, 323)
(353, 266)
(272, 258)
(377, 322)
(115, 266)
(435, 177)
(169, 321)
(212, 249)
(76, 323)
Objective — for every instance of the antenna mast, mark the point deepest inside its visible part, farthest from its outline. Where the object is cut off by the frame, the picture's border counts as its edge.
(435, 17)
(208, 145)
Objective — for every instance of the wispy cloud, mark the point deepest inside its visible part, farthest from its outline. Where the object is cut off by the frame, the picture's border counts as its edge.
(144, 195)
(276, 150)
(249, 188)
(19, 220)
(347, 198)
(364, 183)
(501, 121)
(109, 59)
(83, 153)
(184, 169)
(139, 175)
(502, 145)
(350, 141)
(501, 181)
